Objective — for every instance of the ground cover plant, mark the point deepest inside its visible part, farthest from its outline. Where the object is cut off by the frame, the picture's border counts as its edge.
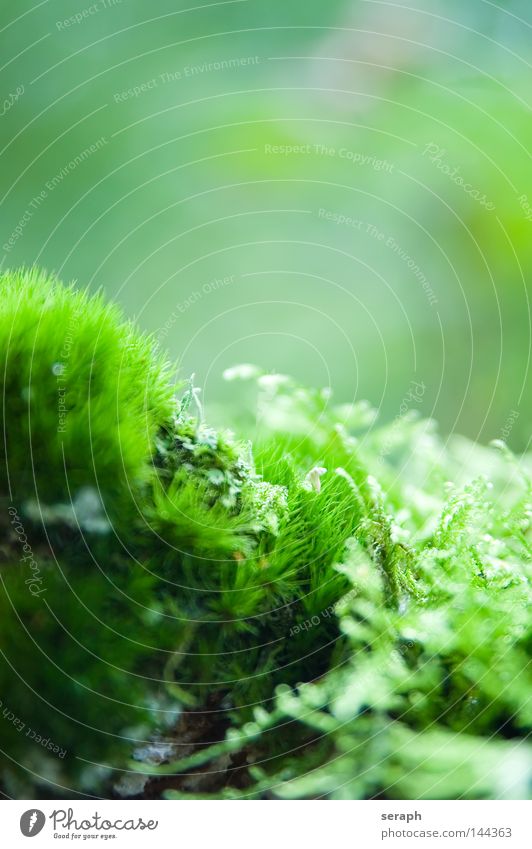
(317, 606)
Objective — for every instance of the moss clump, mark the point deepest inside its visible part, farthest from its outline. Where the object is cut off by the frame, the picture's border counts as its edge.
(326, 617)
(85, 393)
(406, 649)
(121, 516)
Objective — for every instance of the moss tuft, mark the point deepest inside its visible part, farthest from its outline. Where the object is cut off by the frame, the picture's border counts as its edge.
(342, 611)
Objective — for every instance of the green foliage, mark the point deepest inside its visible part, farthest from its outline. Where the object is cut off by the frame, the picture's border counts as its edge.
(324, 616)
(426, 693)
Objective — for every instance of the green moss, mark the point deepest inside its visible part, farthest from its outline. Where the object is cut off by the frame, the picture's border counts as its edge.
(415, 595)
(124, 525)
(86, 392)
(328, 610)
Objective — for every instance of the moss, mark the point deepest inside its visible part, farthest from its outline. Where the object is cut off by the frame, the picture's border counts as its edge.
(320, 615)
(86, 393)
(124, 523)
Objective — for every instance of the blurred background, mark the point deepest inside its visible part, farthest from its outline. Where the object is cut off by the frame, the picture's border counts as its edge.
(341, 190)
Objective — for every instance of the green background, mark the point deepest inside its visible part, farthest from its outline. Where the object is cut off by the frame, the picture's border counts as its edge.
(188, 215)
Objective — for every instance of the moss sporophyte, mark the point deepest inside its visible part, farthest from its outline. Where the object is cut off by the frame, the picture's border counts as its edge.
(317, 606)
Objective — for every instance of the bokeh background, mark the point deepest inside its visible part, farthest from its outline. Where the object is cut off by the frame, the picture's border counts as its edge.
(341, 190)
